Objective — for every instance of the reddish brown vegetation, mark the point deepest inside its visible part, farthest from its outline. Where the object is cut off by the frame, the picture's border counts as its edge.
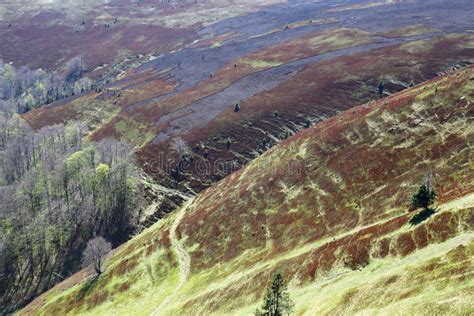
(319, 90)
(347, 200)
(353, 252)
(40, 44)
(317, 95)
(370, 181)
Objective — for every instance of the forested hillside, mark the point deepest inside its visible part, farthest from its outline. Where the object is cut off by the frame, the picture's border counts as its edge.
(26, 89)
(57, 190)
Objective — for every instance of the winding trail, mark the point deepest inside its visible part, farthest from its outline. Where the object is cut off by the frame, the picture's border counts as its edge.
(184, 262)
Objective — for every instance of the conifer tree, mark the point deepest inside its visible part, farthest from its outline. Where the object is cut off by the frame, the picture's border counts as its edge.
(277, 301)
(424, 197)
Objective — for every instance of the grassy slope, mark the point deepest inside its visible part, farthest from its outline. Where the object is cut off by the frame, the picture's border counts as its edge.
(328, 208)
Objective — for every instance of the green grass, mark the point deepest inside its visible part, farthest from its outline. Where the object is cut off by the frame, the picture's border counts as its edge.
(261, 63)
(133, 132)
(369, 291)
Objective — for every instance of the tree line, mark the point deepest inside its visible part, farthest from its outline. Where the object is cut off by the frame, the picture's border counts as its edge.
(57, 192)
(28, 89)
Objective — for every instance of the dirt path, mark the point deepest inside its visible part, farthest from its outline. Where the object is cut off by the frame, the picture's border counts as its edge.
(184, 262)
(462, 202)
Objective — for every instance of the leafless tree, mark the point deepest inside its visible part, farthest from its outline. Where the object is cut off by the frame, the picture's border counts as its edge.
(94, 253)
(75, 68)
(180, 146)
(27, 89)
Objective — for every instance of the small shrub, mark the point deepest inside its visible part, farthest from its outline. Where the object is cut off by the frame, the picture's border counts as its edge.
(381, 88)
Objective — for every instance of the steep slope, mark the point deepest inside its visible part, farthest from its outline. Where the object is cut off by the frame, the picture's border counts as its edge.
(327, 207)
(288, 64)
(344, 69)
